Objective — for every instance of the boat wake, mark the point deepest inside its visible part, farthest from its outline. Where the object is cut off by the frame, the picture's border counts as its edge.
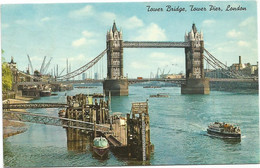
(198, 126)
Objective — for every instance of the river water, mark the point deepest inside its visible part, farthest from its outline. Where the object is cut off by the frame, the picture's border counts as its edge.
(178, 131)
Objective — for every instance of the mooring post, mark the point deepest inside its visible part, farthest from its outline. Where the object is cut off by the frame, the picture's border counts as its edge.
(128, 134)
(91, 115)
(143, 138)
(94, 120)
(100, 113)
(95, 133)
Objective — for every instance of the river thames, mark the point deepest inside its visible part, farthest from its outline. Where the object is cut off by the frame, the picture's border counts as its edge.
(178, 131)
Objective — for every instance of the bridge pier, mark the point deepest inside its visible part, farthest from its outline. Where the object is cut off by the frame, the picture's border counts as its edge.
(196, 86)
(117, 87)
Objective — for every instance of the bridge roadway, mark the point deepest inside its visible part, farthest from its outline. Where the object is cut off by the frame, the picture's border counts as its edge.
(134, 80)
(130, 81)
(56, 121)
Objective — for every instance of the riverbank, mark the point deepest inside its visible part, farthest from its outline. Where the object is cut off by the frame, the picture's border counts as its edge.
(11, 128)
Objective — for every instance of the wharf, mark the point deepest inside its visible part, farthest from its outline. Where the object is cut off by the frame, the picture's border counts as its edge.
(130, 134)
(83, 116)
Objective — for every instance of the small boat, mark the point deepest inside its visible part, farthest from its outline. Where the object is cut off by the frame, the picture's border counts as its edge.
(152, 87)
(159, 95)
(97, 95)
(100, 146)
(224, 130)
(45, 93)
(84, 87)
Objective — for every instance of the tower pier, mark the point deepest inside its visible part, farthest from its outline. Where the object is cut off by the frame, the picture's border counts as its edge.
(117, 87)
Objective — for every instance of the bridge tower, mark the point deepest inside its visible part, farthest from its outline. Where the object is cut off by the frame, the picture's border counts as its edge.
(115, 82)
(196, 83)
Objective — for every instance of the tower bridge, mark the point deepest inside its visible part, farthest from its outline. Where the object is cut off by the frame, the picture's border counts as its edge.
(117, 84)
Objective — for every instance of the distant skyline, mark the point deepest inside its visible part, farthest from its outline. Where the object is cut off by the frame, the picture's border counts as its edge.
(77, 31)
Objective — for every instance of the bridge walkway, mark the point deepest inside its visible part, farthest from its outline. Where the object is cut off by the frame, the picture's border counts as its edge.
(33, 105)
(55, 121)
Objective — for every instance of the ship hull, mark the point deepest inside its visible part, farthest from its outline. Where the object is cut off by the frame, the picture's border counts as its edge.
(45, 93)
(223, 134)
(101, 152)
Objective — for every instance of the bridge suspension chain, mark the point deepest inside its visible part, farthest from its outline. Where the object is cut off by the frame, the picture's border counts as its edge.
(83, 68)
(223, 71)
(236, 74)
(216, 64)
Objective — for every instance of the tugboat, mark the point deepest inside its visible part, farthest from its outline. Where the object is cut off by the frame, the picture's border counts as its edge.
(224, 130)
(100, 147)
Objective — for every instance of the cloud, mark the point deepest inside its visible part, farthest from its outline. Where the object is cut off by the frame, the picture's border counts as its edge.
(248, 21)
(87, 38)
(21, 22)
(208, 22)
(79, 57)
(86, 11)
(35, 59)
(106, 17)
(158, 55)
(5, 25)
(84, 42)
(233, 34)
(133, 22)
(139, 65)
(79, 42)
(164, 60)
(242, 43)
(151, 33)
(86, 33)
(45, 19)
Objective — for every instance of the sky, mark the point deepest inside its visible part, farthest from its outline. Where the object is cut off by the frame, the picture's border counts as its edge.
(77, 31)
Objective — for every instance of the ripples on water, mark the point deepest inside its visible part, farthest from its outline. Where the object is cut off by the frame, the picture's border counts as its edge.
(178, 131)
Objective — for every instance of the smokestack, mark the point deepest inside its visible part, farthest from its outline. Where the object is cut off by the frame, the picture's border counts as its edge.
(240, 60)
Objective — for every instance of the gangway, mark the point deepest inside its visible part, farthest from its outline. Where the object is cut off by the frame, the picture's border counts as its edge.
(33, 105)
(55, 121)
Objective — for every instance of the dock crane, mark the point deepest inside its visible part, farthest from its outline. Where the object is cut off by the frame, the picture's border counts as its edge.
(30, 63)
(61, 72)
(42, 66)
(45, 69)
